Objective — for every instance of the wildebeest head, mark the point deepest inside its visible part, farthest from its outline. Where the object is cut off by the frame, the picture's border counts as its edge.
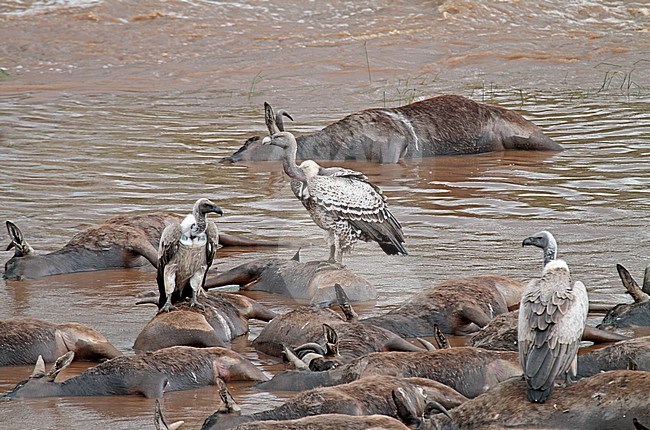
(254, 149)
(39, 382)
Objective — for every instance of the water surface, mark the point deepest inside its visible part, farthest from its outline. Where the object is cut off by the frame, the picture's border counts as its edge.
(111, 107)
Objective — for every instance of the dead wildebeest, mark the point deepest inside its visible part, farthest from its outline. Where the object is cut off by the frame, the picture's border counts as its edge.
(609, 400)
(442, 125)
(501, 334)
(631, 354)
(635, 314)
(367, 396)
(328, 422)
(470, 371)
(23, 340)
(224, 317)
(305, 326)
(310, 282)
(150, 374)
(458, 306)
(122, 241)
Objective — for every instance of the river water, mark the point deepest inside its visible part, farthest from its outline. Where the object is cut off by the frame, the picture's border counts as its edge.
(111, 107)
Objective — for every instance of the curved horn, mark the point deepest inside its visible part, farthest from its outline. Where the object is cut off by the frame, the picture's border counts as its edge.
(435, 406)
(278, 119)
(426, 344)
(60, 364)
(293, 358)
(309, 347)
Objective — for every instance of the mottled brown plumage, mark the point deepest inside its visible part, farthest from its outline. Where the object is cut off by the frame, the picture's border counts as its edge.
(552, 316)
(342, 202)
(185, 254)
(169, 369)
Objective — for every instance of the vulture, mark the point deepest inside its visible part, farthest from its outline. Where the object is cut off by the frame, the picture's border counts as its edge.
(340, 201)
(185, 254)
(552, 316)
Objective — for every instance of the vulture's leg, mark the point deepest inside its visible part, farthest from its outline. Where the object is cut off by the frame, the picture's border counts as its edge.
(170, 285)
(196, 282)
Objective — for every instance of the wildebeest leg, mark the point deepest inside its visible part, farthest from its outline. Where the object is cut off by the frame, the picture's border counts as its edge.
(152, 386)
(148, 251)
(475, 315)
(235, 240)
(196, 283)
(170, 285)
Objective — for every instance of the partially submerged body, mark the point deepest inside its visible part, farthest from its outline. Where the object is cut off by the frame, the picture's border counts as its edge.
(442, 125)
(23, 340)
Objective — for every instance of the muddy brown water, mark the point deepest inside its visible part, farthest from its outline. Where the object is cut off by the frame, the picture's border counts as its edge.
(111, 107)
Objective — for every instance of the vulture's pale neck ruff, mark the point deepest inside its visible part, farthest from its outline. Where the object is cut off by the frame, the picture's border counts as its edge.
(555, 265)
(193, 228)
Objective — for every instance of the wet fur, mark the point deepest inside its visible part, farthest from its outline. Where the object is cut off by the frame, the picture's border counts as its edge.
(605, 401)
(22, 340)
(169, 369)
(627, 315)
(444, 125)
(459, 306)
(296, 280)
(122, 241)
(501, 334)
(224, 318)
(305, 324)
(328, 422)
(371, 395)
(470, 371)
(632, 354)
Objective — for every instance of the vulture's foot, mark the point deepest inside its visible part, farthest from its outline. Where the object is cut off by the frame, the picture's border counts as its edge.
(195, 303)
(166, 308)
(329, 265)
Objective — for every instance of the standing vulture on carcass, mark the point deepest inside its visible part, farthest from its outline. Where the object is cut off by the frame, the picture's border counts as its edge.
(552, 316)
(340, 201)
(185, 254)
